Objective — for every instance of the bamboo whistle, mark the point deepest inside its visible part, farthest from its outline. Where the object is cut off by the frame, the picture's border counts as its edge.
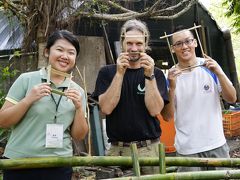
(191, 67)
(54, 71)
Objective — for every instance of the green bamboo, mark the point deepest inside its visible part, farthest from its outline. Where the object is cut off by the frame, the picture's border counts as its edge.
(58, 92)
(171, 169)
(23, 163)
(203, 162)
(162, 162)
(136, 167)
(223, 174)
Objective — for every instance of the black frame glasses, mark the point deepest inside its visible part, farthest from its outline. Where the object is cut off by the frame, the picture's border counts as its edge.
(187, 42)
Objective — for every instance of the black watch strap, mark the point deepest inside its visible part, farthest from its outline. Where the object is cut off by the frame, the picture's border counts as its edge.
(150, 78)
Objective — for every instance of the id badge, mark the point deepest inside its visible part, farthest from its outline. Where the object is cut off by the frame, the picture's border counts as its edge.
(54, 136)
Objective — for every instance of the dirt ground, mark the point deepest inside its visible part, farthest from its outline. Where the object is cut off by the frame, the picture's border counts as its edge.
(234, 145)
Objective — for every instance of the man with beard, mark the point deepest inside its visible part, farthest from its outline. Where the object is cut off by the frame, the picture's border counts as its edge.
(131, 93)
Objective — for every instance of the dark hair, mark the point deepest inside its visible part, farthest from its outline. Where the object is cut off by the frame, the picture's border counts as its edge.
(63, 34)
(181, 28)
(178, 29)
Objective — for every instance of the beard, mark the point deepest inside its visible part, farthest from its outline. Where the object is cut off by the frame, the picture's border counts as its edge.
(134, 56)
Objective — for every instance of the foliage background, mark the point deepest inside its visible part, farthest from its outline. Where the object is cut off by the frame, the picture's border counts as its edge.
(219, 12)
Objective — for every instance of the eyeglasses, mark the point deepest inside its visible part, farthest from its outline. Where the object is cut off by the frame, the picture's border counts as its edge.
(187, 42)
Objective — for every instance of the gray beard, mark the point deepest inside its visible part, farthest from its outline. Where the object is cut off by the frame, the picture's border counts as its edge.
(134, 59)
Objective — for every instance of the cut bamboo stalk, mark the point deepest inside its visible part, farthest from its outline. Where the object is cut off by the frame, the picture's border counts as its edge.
(200, 44)
(191, 67)
(169, 35)
(171, 169)
(58, 92)
(169, 47)
(134, 36)
(70, 80)
(83, 78)
(162, 162)
(217, 174)
(136, 167)
(23, 163)
(48, 74)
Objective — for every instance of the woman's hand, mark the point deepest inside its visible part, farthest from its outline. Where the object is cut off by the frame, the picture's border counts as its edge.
(75, 96)
(37, 92)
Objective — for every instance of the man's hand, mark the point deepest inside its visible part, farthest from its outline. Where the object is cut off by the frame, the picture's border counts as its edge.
(172, 76)
(213, 65)
(122, 63)
(147, 63)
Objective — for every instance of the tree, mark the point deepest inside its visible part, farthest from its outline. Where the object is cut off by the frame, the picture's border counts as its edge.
(233, 10)
(42, 16)
(218, 11)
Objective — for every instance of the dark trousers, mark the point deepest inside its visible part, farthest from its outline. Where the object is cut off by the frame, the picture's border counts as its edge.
(59, 173)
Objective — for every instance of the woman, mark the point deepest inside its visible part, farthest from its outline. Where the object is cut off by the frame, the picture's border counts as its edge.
(42, 122)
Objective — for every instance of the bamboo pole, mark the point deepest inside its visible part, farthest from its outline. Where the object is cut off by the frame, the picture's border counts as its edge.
(23, 163)
(136, 167)
(162, 162)
(199, 41)
(191, 67)
(169, 47)
(171, 169)
(48, 74)
(216, 174)
(201, 162)
(169, 35)
(83, 78)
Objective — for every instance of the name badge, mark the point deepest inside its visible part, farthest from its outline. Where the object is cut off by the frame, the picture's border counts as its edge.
(54, 136)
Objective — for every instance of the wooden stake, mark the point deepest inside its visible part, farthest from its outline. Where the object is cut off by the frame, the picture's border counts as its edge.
(200, 44)
(191, 67)
(48, 74)
(169, 46)
(169, 35)
(162, 162)
(136, 166)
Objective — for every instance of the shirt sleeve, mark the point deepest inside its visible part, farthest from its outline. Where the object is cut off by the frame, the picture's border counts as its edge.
(103, 81)
(18, 90)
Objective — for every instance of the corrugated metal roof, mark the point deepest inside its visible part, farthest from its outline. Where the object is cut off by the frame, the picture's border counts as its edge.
(11, 32)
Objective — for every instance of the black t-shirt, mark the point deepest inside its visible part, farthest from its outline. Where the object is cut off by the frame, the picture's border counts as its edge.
(130, 120)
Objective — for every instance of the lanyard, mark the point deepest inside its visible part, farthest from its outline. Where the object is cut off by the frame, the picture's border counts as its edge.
(57, 105)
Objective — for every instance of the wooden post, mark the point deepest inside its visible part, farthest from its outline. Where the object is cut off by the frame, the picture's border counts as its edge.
(162, 162)
(136, 167)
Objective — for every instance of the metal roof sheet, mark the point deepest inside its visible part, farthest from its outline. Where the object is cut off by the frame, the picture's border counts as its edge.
(11, 32)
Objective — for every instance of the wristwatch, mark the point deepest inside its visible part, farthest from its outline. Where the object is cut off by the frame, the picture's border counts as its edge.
(150, 78)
